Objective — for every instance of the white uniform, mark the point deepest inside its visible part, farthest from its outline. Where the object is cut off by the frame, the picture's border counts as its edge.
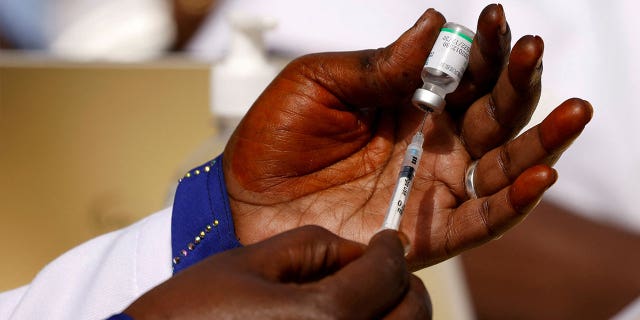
(98, 278)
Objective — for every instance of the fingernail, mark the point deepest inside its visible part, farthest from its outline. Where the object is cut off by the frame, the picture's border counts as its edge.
(406, 244)
(539, 63)
(427, 16)
(554, 172)
(503, 22)
(536, 76)
(432, 11)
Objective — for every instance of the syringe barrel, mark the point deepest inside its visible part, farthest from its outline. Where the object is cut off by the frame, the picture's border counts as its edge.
(412, 156)
(405, 182)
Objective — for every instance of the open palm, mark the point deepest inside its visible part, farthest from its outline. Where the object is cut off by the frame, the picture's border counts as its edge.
(324, 142)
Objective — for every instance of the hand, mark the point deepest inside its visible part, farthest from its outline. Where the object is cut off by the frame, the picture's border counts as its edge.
(324, 142)
(307, 273)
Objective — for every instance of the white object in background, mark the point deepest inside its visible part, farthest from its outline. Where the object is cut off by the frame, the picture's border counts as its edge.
(241, 76)
(245, 72)
(120, 30)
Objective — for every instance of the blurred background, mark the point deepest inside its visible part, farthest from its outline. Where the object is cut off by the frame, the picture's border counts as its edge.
(105, 104)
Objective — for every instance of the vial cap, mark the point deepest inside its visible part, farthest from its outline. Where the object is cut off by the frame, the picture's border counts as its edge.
(428, 101)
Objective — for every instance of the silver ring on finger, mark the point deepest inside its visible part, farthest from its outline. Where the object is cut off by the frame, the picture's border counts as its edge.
(469, 180)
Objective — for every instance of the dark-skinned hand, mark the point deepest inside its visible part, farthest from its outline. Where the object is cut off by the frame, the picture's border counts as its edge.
(324, 142)
(306, 273)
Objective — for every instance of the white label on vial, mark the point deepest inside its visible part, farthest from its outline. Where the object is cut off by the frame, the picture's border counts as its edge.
(450, 53)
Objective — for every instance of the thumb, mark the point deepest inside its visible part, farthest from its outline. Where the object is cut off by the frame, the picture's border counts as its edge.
(300, 255)
(372, 284)
(377, 77)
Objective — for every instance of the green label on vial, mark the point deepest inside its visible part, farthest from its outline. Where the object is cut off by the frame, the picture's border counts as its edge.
(462, 35)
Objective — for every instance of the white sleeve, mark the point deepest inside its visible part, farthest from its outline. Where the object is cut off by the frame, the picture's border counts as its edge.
(98, 278)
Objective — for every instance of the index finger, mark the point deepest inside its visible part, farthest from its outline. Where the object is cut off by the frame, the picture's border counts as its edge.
(488, 57)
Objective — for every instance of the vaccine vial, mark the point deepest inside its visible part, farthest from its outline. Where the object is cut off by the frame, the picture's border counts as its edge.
(444, 67)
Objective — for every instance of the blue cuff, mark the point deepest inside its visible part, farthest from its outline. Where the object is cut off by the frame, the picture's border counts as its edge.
(201, 222)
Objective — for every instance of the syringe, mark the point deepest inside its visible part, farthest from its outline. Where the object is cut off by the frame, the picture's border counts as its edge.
(405, 180)
(441, 75)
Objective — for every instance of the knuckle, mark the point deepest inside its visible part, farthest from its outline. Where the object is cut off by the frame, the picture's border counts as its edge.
(450, 237)
(491, 109)
(504, 162)
(483, 212)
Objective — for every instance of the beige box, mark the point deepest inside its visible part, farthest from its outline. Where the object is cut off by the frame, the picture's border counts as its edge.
(87, 148)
